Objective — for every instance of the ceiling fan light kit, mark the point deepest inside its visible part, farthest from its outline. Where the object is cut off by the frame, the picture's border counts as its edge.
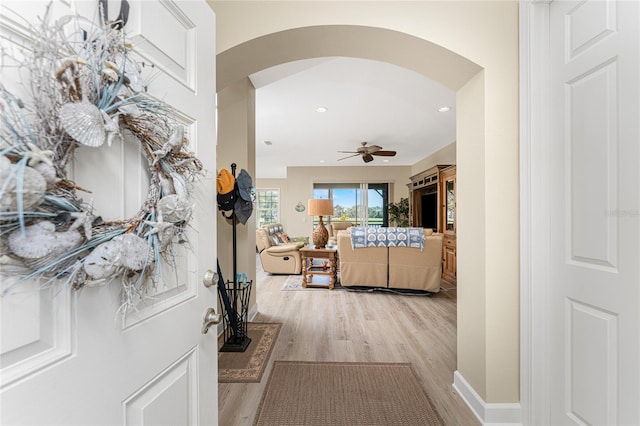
(367, 152)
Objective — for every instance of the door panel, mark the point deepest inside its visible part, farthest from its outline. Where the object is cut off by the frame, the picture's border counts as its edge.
(70, 357)
(594, 300)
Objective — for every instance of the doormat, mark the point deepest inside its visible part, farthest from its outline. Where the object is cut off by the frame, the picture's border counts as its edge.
(349, 394)
(248, 366)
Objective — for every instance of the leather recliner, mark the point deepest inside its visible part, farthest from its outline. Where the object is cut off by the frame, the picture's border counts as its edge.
(277, 255)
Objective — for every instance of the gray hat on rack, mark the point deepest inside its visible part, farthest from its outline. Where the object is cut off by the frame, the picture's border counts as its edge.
(243, 209)
(244, 185)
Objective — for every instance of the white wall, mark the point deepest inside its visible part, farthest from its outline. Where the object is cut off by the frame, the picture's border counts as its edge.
(298, 187)
(445, 155)
(236, 144)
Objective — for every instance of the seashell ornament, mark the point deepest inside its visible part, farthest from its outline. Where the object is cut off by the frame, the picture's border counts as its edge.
(103, 260)
(164, 230)
(48, 173)
(84, 123)
(113, 75)
(136, 252)
(83, 220)
(127, 250)
(41, 239)
(88, 124)
(112, 128)
(173, 145)
(174, 208)
(37, 155)
(33, 188)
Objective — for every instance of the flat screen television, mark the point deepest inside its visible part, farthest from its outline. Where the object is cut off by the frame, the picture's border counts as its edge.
(429, 210)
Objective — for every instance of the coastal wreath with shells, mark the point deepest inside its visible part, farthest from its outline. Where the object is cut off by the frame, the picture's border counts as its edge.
(86, 91)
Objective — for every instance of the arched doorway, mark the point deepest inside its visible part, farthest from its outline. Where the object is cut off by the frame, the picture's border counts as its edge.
(487, 296)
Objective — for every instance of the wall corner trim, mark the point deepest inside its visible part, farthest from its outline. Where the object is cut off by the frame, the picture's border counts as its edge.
(488, 414)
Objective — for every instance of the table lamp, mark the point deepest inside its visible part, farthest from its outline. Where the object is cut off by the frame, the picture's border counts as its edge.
(320, 207)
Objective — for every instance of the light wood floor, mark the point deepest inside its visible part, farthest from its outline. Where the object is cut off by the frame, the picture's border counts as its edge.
(339, 325)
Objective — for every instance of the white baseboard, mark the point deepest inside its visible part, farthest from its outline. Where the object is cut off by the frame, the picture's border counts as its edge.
(488, 414)
(253, 311)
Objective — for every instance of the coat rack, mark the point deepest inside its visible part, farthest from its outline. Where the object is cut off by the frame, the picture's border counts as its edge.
(234, 297)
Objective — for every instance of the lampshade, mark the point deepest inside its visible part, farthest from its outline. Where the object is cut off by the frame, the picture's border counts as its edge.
(320, 207)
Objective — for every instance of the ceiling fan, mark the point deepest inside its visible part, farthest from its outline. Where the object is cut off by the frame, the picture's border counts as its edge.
(367, 152)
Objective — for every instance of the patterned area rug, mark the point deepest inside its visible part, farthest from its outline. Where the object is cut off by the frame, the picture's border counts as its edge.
(333, 393)
(248, 366)
(294, 283)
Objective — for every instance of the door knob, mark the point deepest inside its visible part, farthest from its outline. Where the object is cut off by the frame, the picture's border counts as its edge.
(210, 318)
(209, 278)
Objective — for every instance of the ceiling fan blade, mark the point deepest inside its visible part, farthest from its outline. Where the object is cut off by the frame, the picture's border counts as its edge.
(350, 152)
(372, 148)
(384, 153)
(349, 156)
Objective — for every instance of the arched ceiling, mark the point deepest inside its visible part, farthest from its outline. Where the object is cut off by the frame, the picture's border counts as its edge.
(379, 86)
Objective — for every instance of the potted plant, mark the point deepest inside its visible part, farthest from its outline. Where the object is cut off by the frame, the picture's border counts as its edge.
(399, 212)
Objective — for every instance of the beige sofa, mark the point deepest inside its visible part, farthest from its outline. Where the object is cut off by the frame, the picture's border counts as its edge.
(277, 255)
(391, 267)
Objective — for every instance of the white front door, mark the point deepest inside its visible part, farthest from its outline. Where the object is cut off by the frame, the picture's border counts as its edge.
(68, 357)
(594, 292)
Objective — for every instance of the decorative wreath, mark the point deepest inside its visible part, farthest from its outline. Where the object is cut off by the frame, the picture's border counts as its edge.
(86, 90)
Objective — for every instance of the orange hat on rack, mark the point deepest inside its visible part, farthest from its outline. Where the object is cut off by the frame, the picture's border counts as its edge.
(225, 182)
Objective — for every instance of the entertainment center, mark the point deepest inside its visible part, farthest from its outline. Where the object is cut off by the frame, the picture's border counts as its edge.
(432, 205)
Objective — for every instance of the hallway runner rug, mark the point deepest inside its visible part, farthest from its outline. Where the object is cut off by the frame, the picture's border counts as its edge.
(352, 393)
(248, 366)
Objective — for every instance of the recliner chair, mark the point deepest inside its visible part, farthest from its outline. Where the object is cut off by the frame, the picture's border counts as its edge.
(277, 255)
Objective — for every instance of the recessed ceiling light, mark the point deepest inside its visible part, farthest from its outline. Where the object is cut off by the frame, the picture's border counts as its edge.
(444, 109)
(321, 109)
(385, 161)
(268, 143)
(322, 161)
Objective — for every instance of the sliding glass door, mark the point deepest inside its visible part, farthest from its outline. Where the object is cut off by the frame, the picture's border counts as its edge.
(365, 204)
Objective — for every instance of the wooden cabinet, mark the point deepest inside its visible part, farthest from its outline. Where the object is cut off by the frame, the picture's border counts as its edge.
(449, 260)
(424, 198)
(432, 204)
(448, 222)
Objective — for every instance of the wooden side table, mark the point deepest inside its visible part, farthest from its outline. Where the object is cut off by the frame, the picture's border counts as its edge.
(309, 269)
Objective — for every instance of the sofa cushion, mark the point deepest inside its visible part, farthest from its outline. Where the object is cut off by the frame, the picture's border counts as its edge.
(283, 237)
(361, 267)
(415, 270)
